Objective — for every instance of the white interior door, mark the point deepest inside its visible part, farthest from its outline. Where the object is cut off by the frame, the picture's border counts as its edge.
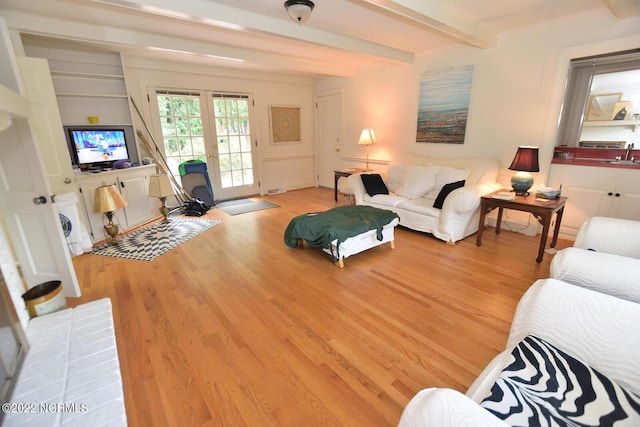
(32, 221)
(47, 125)
(30, 218)
(329, 137)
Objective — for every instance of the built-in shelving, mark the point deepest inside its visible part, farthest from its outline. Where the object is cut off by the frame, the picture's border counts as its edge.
(611, 123)
(87, 75)
(87, 83)
(91, 95)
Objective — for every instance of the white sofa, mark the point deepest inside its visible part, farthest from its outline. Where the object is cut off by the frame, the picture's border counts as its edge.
(605, 257)
(596, 329)
(414, 185)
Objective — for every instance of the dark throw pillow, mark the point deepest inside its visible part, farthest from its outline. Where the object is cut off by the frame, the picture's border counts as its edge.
(374, 184)
(448, 188)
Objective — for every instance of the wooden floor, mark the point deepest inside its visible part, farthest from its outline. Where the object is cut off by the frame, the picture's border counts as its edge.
(234, 328)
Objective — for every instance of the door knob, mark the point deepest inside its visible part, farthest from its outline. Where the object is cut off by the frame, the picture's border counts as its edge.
(337, 150)
(40, 200)
(67, 180)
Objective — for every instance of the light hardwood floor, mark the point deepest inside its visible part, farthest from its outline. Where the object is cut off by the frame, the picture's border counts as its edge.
(234, 328)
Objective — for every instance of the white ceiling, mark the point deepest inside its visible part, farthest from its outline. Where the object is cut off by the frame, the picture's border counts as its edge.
(341, 36)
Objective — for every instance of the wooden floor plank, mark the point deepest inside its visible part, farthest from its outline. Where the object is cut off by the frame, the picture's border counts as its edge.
(235, 328)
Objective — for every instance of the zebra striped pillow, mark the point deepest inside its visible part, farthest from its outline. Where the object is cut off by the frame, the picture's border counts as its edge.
(543, 386)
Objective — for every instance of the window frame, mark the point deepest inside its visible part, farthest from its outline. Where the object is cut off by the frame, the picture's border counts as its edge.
(578, 90)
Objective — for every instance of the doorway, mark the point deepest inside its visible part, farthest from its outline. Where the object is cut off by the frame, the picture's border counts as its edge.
(213, 127)
(329, 137)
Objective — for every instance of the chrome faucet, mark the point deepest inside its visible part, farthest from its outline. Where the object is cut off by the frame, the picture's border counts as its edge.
(629, 147)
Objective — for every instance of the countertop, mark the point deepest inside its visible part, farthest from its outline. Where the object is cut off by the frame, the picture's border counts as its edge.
(598, 157)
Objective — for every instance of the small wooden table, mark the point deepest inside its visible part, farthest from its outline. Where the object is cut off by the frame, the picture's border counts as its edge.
(542, 210)
(339, 174)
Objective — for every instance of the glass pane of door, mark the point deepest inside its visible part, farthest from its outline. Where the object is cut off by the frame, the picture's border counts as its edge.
(182, 130)
(233, 136)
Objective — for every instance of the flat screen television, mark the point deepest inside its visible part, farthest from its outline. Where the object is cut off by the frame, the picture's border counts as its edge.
(98, 147)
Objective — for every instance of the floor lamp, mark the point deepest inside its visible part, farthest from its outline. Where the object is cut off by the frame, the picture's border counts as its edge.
(367, 137)
(108, 200)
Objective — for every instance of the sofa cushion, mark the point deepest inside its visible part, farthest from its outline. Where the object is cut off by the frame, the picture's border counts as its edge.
(390, 200)
(445, 176)
(373, 184)
(543, 385)
(418, 182)
(448, 188)
(396, 174)
(422, 206)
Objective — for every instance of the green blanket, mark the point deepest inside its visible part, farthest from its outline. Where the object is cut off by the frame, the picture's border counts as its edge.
(319, 229)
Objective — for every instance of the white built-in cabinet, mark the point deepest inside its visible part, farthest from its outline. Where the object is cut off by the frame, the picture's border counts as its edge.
(596, 191)
(133, 184)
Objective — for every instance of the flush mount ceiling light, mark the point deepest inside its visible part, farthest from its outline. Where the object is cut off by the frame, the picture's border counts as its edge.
(299, 10)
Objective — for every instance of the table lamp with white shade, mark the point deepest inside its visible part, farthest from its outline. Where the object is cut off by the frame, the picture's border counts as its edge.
(108, 200)
(160, 186)
(367, 137)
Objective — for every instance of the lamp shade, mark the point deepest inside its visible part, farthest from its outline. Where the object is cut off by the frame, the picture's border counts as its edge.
(526, 160)
(367, 137)
(299, 10)
(108, 199)
(160, 186)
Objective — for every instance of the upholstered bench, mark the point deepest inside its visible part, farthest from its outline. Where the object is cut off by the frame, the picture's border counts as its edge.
(343, 231)
(71, 373)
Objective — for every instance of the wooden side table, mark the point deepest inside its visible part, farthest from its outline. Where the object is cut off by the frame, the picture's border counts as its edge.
(339, 174)
(542, 210)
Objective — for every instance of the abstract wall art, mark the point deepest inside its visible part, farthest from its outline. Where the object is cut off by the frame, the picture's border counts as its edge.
(443, 105)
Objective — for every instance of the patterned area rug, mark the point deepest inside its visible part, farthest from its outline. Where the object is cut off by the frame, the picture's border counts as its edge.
(150, 242)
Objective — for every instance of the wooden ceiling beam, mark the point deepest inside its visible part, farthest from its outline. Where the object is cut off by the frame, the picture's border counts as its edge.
(624, 8)
(232, 18)
(433, 15)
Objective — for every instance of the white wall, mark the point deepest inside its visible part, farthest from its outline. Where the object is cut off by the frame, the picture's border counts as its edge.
(282, 167)
(516, 94)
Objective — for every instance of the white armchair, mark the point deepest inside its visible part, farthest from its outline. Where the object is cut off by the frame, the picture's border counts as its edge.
(605, 257)
(594, 328)
(610, 235)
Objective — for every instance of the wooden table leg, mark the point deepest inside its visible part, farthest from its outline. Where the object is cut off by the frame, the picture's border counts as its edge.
(546, 221)
(499, 222)
(335, 187)
(556, 230)
(483, 214)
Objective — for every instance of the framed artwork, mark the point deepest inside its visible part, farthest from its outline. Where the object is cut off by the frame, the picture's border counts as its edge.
(285, 124)
(602, 105)
(622, 110)
(444, 105)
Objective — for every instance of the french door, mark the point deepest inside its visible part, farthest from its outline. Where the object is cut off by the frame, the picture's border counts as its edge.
(213, 127)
